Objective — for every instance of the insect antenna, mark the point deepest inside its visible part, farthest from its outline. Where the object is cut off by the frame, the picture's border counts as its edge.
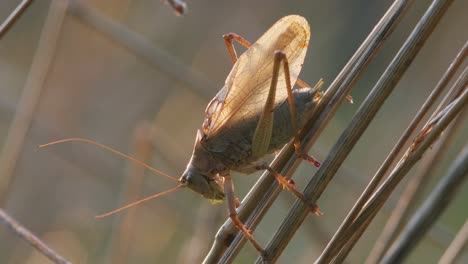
(140, 201)
(113, 151)
(178, 187)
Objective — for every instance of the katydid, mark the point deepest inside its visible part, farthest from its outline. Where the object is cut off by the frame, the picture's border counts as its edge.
(255, 113)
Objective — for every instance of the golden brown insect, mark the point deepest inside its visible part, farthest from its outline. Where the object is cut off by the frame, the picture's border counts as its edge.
(255, 113)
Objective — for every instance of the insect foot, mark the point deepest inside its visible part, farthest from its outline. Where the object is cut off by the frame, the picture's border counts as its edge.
(310, 159)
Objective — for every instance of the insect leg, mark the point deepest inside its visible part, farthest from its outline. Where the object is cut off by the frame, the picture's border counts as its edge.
(228, 38)
(290, 186)
(229, 192)
(228, 41)
(263, 131)
(281, 57)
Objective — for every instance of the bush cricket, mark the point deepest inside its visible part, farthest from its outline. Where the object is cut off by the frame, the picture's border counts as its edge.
(256, 113)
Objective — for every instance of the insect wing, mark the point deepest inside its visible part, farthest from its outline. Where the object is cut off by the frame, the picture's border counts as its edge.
(247, 86)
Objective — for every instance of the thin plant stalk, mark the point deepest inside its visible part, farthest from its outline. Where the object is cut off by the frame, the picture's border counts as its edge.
(13, 17)
(32, 239)
(411, 194)
(439, 149)
(414, 153)
(265, 191)
(382, 171)
(431, 209)
(354, 233)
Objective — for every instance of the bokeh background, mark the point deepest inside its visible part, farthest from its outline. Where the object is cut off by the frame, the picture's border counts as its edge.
(144, 91)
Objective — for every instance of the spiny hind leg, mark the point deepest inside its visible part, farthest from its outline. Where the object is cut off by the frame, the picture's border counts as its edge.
(229, 192)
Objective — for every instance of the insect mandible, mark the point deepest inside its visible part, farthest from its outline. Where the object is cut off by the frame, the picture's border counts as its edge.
(255, 113)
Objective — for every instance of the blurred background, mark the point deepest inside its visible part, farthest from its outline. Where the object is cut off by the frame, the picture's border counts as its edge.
(134, 76)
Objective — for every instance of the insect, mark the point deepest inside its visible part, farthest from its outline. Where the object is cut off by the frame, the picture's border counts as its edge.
(255, 113)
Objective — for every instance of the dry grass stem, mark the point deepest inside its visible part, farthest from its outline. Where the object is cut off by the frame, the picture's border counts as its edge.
(262, 195)
(431, 209)
(30, 96)
(33, 240)
(420, 145)
(457, 246)
(453, 93)
(354, 234)
(412, 193)
(11, 19)
(382, 171)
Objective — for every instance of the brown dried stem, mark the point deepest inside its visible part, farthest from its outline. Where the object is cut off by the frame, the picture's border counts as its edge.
(33, 240)
(431, 209)
(382, 171)
(414, 189)
(263, 194)
(422, 142)
(15, 15)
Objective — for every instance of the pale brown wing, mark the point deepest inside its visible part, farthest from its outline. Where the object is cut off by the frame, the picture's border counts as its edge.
(246, 88)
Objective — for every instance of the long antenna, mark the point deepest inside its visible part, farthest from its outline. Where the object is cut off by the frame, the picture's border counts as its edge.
(113, 151)
(140, 201)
